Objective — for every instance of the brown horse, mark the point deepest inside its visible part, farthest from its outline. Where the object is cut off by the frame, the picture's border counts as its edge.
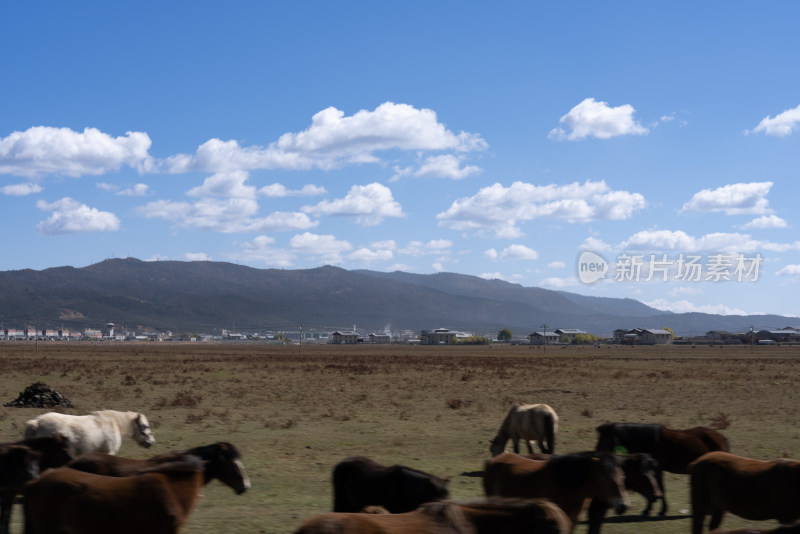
(480, 516)
(221, 461)
(753, 489)
(673, 449)
(568, 480)
(46, 452)
(527, 422)
(640, 476)
(359, 482)
(158, 501)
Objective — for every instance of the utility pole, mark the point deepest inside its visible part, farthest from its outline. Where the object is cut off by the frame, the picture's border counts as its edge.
(301, 338)
(752, 335)
(544, 336)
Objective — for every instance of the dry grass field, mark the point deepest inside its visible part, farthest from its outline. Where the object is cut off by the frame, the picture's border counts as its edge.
(295, 411)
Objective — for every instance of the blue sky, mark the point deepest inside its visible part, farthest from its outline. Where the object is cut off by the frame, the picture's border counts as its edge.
(497, 141)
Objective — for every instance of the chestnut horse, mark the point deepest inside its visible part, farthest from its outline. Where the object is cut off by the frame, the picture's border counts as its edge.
(359, 482)
(527, 422)
(567, 480)
(157, 501)
(46, 452)
(673, 449)
(221, 461)
(484, 516)
(753, 489)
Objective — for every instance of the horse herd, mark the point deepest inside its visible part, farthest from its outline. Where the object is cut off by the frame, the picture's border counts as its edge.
(545, 492)
(71, 481)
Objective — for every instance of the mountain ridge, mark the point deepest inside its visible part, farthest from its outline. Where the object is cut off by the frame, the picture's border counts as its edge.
(208, 296)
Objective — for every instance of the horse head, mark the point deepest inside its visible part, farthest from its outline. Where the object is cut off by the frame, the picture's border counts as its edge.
(609, 481)
(498, 445)
(142, 432)
(224, 462)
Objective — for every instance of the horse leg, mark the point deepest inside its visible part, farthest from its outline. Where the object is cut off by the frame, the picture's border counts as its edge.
(530, 447)
(597, 511)
(716, 518)
(516, 445)
(6, 503)
(660, 481)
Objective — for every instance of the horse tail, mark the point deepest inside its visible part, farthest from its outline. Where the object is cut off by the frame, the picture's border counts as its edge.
(550, 423)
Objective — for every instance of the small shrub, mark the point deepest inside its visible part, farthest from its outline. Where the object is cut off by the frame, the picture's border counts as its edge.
(720, 421)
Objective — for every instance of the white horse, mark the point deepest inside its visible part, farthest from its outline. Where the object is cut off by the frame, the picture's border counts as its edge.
(528, 422)
(100, 431)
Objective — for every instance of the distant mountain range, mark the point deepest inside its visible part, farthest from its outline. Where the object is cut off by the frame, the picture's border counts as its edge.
(200, 297)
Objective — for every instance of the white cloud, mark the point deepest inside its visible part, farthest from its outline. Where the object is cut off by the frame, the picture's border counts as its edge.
(44, 150)
(138, 190)
(556, 265)
(225, 185)
(279, 191)
(438, 267)
(333, 140)
(596, 119)
(225, 216)
(388, 244)
(69, 217)
(513, 252)
(260, 250)
(445, 166)
(369, 204)
(500, 209)
(733, 199)
(680, 241)
(781, 125)
(21, 190)
(418, 248)
(326, 247)
(789, 270)
(764, 222)
(366, 255)
(594, 244)
(684, 306)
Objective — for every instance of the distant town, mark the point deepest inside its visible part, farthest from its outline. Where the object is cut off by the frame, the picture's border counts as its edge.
(437, 336)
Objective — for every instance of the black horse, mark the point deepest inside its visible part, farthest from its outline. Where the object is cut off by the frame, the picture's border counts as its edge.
(359, 482)
(673, 449)
(23, 460)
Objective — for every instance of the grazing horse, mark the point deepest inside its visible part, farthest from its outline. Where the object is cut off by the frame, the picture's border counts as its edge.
(567, 480)
(100, 431)
(640, 476)
(480, 516)
(221, 461)
(47, 452)
(157, 501)
(673, 449)
(753, 489)
(528, 422)
(359, 482)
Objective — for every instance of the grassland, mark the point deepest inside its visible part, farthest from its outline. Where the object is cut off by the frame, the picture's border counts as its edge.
(295, 411)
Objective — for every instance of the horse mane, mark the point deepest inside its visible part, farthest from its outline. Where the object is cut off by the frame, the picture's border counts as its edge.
(206, 452)
(186, 464)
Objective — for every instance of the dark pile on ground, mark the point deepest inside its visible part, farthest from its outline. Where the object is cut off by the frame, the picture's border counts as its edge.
(39, 395)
